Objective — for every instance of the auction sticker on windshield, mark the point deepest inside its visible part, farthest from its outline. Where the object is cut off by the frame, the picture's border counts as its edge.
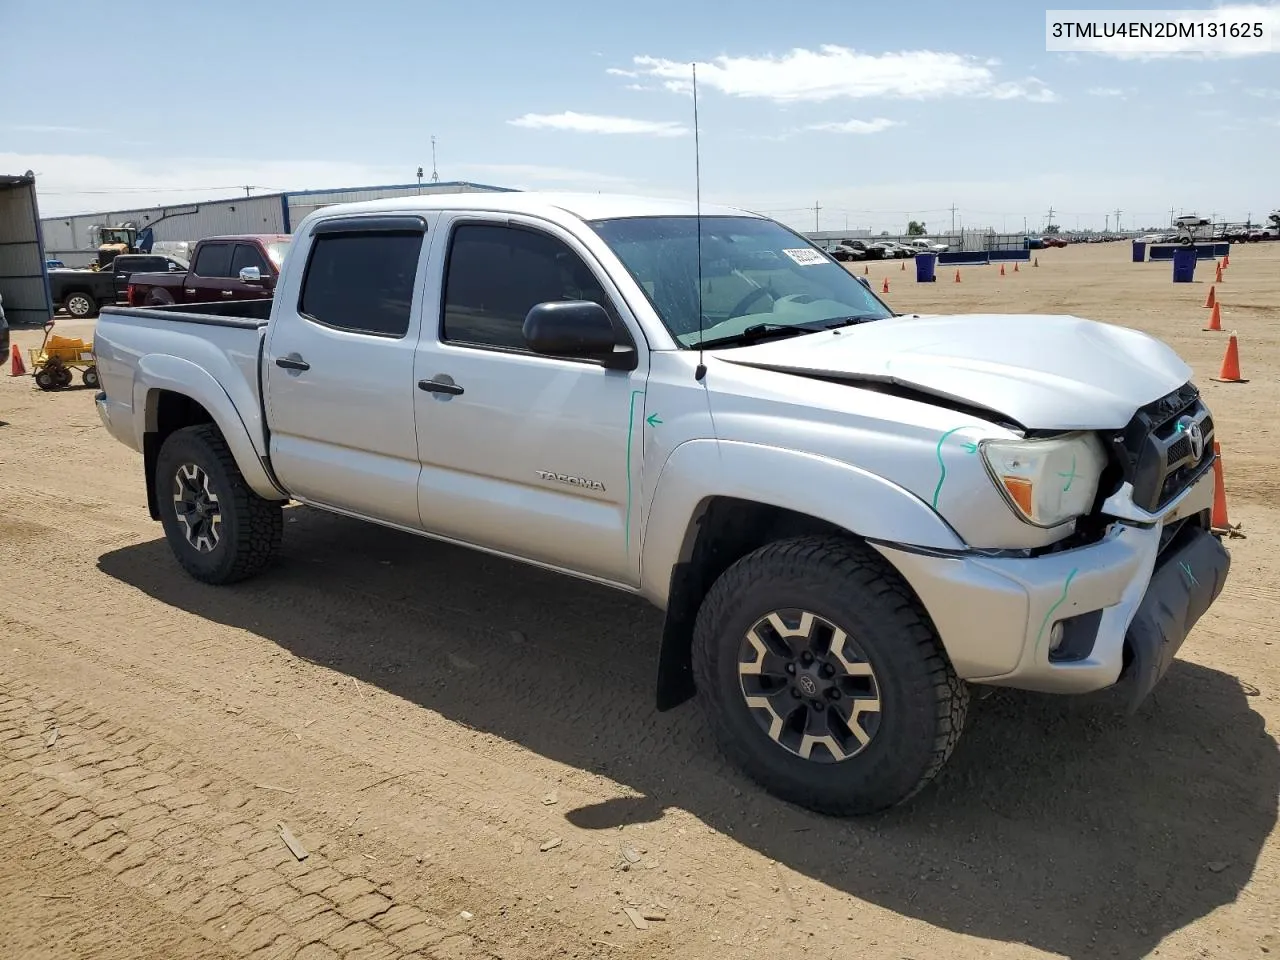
(805, 256)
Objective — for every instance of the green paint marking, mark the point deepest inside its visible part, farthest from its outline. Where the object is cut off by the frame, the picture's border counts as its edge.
(652, 420)
(942, 467)
(1071, 476)
(1186, 568)
(631, 423)
(1062, 599)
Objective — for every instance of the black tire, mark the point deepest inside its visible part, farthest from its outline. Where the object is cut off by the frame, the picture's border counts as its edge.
(249, 527)
(80, 305)
(62, 378)
(923, 705)
(90, 378)
(45, 379)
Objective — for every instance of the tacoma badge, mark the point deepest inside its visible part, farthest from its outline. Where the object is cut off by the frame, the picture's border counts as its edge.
(572, 481)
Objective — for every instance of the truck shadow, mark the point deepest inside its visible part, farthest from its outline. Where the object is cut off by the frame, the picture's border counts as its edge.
(1056, 824)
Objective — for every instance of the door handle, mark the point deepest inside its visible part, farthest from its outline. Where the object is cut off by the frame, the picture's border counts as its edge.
(439, 386)
(190, 290)
(292, 363)
(227, 293)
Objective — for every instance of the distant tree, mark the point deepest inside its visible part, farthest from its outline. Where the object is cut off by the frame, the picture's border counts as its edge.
(916, 229)
(884, 233)
(1275, 219)
(1053, 229)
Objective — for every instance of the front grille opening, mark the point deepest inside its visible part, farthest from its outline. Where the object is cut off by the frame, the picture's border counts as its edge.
(1155, 456)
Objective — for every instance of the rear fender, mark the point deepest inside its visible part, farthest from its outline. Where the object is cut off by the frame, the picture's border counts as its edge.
(158, 372)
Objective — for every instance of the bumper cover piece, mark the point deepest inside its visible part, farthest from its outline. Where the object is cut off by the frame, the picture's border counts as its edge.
(1188, 578)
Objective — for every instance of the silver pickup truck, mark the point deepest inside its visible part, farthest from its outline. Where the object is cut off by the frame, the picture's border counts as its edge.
(850, 517)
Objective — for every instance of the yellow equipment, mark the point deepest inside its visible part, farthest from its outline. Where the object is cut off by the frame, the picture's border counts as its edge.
(52, 364)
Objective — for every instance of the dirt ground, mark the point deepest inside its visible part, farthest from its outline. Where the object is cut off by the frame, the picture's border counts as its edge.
(428, 722)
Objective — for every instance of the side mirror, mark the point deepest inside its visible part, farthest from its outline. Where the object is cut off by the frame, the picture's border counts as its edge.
(576, 328)
(864, 281)
(173, 267)
(250, 275)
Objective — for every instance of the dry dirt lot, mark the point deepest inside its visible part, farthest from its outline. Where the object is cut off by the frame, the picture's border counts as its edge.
(426, 720)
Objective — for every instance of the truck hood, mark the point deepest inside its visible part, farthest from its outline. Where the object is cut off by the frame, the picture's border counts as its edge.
(1042, 372)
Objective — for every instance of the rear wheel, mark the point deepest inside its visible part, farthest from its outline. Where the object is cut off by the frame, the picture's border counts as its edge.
(90, 378)
(823, 679)
(80, 305)
(45, 379)
(220, 530)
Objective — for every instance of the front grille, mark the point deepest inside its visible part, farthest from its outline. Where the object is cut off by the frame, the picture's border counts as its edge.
(1155, 452)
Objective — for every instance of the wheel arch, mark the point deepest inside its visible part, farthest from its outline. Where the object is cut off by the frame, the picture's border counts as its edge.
(761, 494)
(175, 393)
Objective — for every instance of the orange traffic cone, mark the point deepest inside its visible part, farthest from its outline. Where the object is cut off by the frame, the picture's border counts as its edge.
(1215, 318)
(16, 367)
(1015, 268)
(865, 270)
(1218, 519)
(904, 265)
(1230, 372)
(1217, 277)
(957, 276)
(885, 287)
(1226, 259)
(1212, 298)
(1036, 262)
(1002, 269)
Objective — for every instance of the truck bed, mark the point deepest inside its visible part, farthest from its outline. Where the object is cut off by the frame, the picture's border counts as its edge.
(224, 313)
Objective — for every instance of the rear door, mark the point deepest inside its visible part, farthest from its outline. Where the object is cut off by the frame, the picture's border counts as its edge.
(339, 367)
(127, 266)
(210, 275)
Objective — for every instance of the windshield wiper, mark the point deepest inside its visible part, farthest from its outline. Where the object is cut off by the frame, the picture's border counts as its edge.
(755, 333)
(837, 322)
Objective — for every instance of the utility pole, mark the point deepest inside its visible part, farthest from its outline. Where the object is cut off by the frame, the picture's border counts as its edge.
(1049, 219)
(246, 190)
(1171, 216)
(816, 208)
(953, 218)
(1117, 219)
(435, 176)
(1106, 228)
(419, 181)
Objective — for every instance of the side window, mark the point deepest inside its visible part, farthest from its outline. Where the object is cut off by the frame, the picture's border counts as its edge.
(362, 282)
(496, 273)
(247, 255)
(214, 260)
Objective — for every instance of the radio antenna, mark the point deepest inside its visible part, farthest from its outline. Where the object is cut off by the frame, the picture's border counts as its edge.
(701, 371)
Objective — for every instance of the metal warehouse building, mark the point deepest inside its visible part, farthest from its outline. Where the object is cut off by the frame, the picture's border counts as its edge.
(69, 238)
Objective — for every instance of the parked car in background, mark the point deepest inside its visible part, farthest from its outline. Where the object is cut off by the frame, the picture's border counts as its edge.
(895, 250)
(51, 264)
(222, 268)
(81, 293)
(928, 246)
(858, 250)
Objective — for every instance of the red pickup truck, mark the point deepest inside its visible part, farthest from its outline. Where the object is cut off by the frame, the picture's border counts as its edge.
(222, 268)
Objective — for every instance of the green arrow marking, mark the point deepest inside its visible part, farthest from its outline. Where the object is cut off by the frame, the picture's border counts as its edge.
(652, 420)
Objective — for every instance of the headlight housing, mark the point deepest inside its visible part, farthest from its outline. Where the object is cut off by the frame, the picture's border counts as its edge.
(1047, 482)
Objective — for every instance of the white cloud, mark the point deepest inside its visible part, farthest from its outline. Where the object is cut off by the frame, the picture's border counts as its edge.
(47, 128)
(594, 123)
(1203, 89)
(1105, 92)
(833, 72)
(1266, 93)
(877, 125)
(1192, 47)
(89, 183)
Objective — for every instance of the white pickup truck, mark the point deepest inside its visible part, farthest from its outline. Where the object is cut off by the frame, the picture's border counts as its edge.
(850, 517)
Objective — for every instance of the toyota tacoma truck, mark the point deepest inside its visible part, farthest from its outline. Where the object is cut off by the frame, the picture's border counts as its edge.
(850, 517)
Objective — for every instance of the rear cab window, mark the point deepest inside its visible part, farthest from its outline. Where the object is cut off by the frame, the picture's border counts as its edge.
(213, 260)
(361, 280)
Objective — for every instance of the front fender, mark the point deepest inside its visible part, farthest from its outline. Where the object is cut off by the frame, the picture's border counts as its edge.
(157, 372)
(846, 496)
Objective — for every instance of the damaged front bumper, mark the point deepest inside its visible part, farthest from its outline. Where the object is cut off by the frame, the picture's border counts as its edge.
(1081, 619)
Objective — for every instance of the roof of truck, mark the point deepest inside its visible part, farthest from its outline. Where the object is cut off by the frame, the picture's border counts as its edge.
(585, 206)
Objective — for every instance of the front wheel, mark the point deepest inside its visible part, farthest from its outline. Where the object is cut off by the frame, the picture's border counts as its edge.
(823, 679)
(220, 530)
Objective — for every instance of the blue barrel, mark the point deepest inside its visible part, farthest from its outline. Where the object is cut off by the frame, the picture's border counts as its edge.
(1184, 264)
(925, 264)
(1139, 251)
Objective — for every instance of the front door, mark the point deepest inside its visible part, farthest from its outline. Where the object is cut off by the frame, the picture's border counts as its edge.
(209, 278)
(248, 255)
(339, 365)
(531, 455)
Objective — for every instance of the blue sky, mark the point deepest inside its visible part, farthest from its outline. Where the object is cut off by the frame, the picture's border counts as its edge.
(875, 111)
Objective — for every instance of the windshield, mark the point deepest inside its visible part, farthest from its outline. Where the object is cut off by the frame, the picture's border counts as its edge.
(276, 250)
(754, 271)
